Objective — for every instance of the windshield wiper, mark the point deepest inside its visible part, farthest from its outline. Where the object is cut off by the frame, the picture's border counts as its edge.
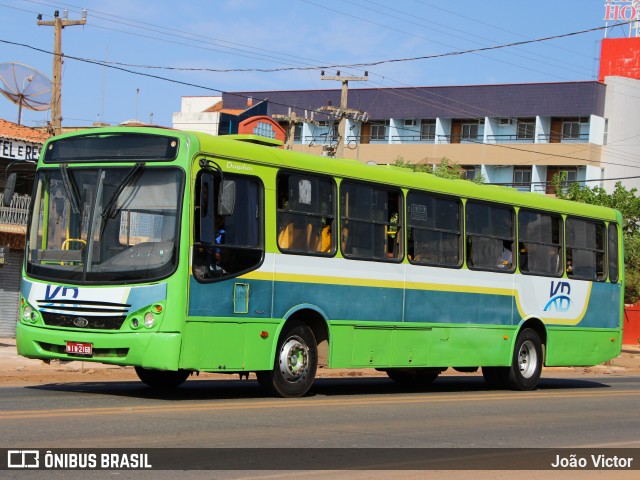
(70, 188)
(132, 175)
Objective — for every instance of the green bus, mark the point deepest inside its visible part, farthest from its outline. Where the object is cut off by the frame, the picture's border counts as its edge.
(179, 252)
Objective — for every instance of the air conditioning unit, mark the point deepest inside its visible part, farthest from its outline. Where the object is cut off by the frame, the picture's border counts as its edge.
(505, 121)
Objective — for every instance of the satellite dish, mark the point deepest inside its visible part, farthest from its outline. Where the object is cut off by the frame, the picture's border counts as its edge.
(25, 86)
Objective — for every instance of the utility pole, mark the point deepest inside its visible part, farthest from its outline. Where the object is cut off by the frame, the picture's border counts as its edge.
(56, 85)
(343, 112)
(292, 119)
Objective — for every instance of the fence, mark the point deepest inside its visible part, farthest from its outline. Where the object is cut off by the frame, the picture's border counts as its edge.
(14, 217)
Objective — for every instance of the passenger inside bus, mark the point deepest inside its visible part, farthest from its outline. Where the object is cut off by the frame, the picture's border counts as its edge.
(506, 258)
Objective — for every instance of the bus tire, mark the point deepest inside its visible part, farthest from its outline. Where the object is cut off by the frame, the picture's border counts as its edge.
(526, 363)
(295, 364)
(162, 379)
(413, 376)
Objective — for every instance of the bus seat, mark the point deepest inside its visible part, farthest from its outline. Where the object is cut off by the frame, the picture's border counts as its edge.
(325, 239)
(285, 237)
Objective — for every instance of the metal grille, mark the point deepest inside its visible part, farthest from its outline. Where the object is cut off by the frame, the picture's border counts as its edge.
(86, 314)
(95, 322)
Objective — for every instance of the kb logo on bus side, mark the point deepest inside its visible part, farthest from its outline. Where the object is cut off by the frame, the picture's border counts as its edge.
(559, 300)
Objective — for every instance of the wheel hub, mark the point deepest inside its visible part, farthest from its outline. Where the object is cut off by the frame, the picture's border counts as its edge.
(527, 359)
(294, 360)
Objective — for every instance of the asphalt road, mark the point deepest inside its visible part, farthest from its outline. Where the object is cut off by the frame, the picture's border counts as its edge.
(341, 412)
(595, 412)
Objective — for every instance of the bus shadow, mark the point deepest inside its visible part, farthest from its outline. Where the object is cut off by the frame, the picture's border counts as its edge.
(342, 386)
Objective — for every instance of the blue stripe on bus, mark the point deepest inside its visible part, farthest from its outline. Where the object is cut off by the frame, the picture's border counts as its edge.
(379, 304)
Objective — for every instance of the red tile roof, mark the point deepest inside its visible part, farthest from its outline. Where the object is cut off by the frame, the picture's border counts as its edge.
(14, 131)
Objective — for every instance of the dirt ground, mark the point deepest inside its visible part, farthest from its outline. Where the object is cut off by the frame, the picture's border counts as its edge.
(16, 370)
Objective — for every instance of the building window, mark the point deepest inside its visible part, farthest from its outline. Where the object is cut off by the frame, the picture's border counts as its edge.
(379, 131)
(469, 131)
(570, 131)
(428, 130)
(525, 129)
(470, 172)
(297, 133)
(522, 179)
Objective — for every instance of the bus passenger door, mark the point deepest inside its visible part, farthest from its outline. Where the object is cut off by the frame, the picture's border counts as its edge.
(226, 302)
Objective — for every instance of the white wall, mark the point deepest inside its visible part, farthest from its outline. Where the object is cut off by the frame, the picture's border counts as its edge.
(192, 115)
(621, 154)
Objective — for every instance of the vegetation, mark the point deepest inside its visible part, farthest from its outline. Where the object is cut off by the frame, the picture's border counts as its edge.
(628, 203)
(445, 169)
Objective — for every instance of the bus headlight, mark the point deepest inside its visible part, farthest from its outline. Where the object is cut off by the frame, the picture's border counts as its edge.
(149, 319)
(28, 314)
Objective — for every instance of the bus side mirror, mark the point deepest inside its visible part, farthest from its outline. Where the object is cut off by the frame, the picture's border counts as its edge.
(227, 198)
(9, 188)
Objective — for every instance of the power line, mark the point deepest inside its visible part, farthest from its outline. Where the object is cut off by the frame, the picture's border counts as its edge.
(363, 64)
(180, 82)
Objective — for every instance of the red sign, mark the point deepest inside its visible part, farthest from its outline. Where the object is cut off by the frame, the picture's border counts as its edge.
(621, 10)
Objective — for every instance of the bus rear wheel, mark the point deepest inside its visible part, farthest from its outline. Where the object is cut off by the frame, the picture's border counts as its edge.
(526, 363)
(295, 364)
(162, 379)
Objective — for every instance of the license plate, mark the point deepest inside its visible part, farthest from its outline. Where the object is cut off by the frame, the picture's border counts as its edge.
(79, 348)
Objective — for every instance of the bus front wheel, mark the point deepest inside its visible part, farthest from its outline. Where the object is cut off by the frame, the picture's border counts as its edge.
(295, 364)
(162, 379)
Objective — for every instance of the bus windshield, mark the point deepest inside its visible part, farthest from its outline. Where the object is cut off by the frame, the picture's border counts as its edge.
(105, 225)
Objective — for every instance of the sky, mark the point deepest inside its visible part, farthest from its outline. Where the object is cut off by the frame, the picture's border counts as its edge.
(136, 59)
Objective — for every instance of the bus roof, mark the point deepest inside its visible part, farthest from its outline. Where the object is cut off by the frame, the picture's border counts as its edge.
(397, 176)
(249, 149)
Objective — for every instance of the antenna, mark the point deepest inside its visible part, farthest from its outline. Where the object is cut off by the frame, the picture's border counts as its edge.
(25, 86)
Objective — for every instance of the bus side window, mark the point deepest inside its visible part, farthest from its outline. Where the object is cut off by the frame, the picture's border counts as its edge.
(434, 229)
(612, 250)
(490, 237)
(540, 243)
(370, 222)
(585, 249)
(205, 209)
(231, 244)
(305, 214)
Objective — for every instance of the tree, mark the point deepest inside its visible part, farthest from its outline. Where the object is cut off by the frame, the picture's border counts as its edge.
(628, 203)
(445, 169)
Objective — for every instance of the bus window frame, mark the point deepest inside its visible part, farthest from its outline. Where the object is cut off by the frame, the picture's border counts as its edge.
(617, 243)
(569, 272)
(401, 226)
(562, 257)
(514, 259)
(334, 212)
(198, 244)
(461, 231)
